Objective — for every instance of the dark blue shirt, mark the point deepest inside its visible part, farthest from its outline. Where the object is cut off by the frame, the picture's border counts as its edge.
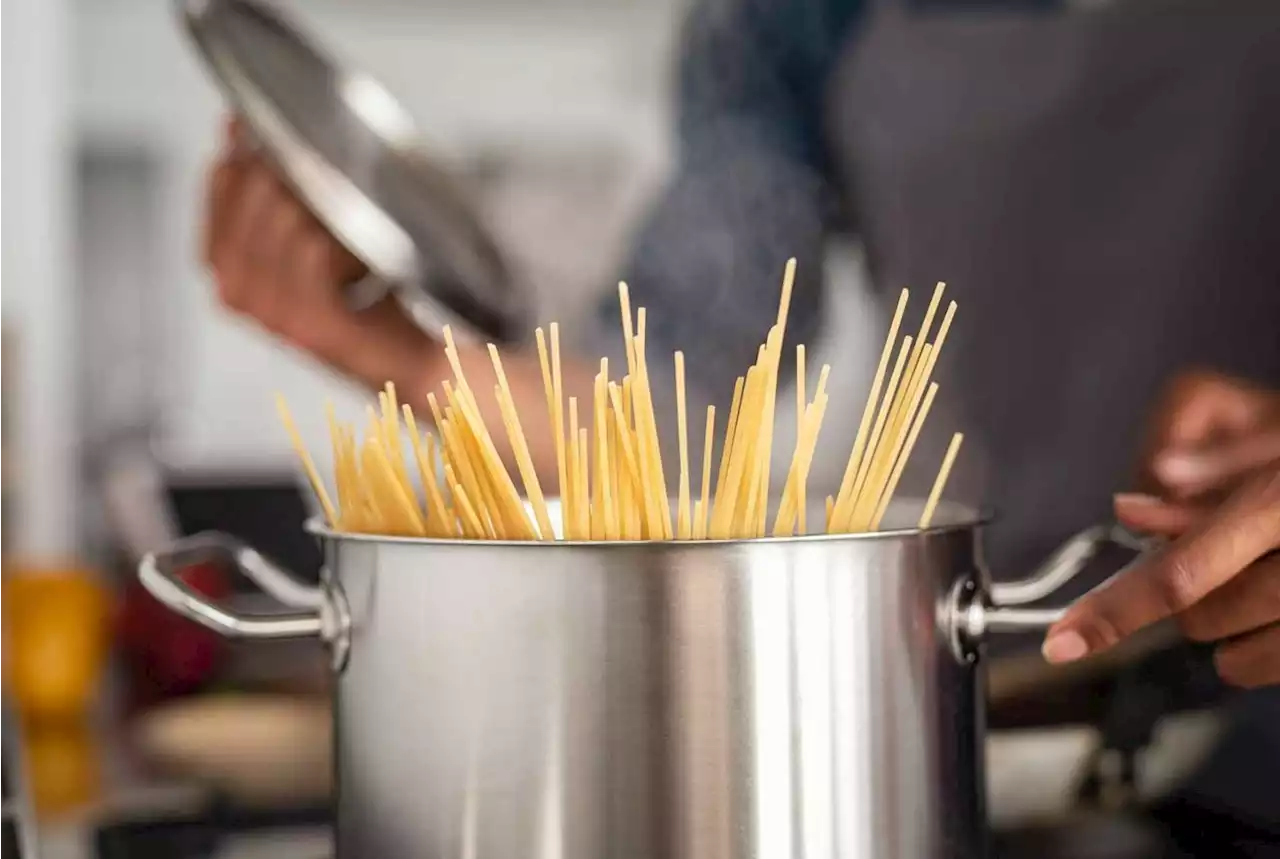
(751, 186)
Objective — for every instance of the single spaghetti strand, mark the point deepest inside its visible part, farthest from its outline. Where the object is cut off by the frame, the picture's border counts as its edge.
(555, 405)
(585, 514)
(635, 507)
(599, 487)
(557, 422)
(308, 464)
(940, 482)
(628, 333)
(613, 522)
(704, 501)
(569, 505)
(844, 496)
(683, 514)
(801, 392)
(730, 429)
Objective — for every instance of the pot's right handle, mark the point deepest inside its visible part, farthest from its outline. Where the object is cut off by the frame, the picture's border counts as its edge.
(974, 615)
(322, 613)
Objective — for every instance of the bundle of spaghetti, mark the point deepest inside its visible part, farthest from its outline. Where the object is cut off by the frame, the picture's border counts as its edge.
(609, 469)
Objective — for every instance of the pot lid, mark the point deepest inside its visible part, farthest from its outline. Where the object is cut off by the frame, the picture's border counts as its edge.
(353, 155)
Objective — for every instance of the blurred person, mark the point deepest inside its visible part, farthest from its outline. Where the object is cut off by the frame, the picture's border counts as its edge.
(1098, 187)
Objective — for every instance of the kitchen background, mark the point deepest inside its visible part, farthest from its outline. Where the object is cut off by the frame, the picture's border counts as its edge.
(556, 110)
(125, 384)
(134, 407)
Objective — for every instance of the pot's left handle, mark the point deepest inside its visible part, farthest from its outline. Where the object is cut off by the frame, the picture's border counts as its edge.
(322, 612)
(975, 615)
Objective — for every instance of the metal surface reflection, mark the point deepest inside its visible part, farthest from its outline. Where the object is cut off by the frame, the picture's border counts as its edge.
(788, 698)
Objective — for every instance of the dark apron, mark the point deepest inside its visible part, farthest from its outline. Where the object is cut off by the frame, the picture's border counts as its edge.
(1101, 191)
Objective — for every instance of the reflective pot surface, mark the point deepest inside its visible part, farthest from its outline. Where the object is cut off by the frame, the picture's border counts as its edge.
(809, 697)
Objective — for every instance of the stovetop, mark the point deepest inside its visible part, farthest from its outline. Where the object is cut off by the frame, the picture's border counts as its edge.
(221, 832)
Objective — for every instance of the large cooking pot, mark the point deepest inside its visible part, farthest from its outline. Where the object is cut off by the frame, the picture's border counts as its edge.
(815, 696)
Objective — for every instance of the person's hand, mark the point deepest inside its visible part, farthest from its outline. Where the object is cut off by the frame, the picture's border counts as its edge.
(274, 264)
(1209, 432)
(1216, 438)
(277, 266)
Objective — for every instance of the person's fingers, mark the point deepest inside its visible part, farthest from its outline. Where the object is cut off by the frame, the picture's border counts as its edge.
(243, 253)
(1147, 514)
(1233, 537)
(1202, 405)
(1249, 601)
(1191, 449)
(1252, 660)
(222, 185)
(311, 281)
(270, 249)
(1189, 473)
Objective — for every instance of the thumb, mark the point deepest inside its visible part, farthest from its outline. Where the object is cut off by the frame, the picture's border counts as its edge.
(1217, 548)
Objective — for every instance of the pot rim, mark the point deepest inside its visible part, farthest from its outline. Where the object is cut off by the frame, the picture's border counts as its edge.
(978, 517)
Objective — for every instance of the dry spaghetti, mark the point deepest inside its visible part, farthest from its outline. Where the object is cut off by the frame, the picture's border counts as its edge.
(609, 469)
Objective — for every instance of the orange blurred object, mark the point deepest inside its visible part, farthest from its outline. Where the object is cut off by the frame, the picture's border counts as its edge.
(55, 641)
(63, 765)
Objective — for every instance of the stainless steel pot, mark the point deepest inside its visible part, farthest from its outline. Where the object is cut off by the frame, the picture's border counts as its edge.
(811, 697)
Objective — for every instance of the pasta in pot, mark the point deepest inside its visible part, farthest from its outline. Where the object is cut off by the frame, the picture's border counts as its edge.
(609, 466)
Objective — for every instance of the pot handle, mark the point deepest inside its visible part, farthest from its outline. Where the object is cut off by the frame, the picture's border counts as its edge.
(322, 613)
(973, 615)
